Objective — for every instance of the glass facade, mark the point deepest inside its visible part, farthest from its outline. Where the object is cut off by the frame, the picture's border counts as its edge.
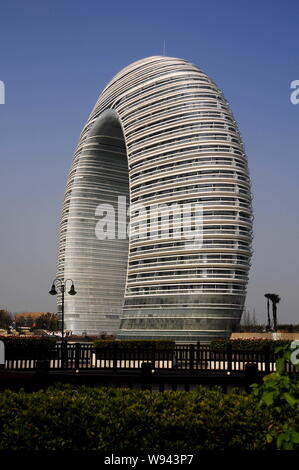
(161, 133)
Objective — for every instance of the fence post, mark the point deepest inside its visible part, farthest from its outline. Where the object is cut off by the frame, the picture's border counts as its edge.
(153, 359)
(267, 359)
(2, 355)
(229, 357)
(115, 350)
(64, 355)
(77, 355)
(191, 361)
(198, 355)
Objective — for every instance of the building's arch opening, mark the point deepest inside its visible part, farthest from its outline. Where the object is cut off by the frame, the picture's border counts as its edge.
(98, 265)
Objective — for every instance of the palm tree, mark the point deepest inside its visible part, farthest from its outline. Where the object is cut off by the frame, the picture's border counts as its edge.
(268, 297)
(275, 300)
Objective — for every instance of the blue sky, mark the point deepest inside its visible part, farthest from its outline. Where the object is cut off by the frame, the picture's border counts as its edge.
(57, 56)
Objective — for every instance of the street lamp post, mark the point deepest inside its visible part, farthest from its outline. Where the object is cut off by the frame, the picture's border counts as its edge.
(53, 291)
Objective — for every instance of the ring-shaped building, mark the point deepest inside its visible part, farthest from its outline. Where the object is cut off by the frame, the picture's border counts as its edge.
(161, 134)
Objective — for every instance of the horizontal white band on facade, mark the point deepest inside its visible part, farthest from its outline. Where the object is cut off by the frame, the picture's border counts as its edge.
(125, 317)
(148, 330)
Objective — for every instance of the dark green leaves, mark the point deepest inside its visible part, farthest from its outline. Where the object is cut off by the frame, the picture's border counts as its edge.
(62, 418)
(280, 393)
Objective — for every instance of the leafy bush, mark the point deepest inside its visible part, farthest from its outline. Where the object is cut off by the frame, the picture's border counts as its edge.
(288, 327)
(246, 344)
(249, 328)
(134, 344)
(280, 393)
(25, 347)
(61, 418)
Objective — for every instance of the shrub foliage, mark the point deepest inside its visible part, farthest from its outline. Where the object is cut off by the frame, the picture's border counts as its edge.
(280, 393)
(17, 348)
(134, 344)
(64, 418)
(247, 344)
(61, 418)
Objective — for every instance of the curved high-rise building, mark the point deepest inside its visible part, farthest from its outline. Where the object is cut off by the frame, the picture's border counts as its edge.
(161, 138)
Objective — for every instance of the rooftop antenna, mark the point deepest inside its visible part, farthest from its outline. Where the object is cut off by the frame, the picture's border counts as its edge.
(164, 47)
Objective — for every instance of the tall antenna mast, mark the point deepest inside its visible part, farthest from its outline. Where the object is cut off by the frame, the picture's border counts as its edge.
(164, 47)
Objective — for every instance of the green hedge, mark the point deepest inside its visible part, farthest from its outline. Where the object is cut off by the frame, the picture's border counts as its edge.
(134, 344)
(25, 347)
(247, 344)
(61, 418)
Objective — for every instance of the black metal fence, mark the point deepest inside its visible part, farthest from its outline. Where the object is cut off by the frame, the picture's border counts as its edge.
(81, 356)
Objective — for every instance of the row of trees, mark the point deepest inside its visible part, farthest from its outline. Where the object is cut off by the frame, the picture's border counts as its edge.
(275, 299)
(6, 319)
(47, 321)
(249, 319)
(249, 322)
